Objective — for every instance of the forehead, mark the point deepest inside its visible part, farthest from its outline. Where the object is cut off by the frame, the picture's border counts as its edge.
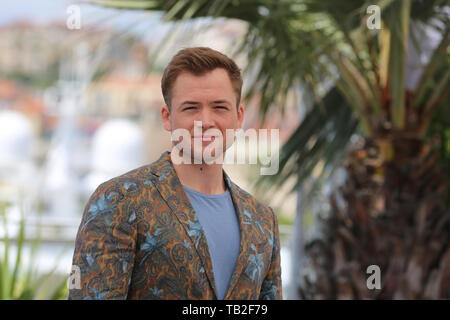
(209, 83)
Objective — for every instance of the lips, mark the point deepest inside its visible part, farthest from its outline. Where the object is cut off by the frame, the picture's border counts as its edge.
(205, 138)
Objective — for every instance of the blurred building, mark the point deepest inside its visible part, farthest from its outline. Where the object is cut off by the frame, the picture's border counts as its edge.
(121, 95)
(34, 50)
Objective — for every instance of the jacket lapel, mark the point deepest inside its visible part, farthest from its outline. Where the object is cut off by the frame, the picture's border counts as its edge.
(244, 225)
(171, 190)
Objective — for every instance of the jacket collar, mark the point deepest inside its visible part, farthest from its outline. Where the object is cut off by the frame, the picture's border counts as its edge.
(172, 192)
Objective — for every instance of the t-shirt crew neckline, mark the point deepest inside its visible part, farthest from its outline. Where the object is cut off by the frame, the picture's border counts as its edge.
(219, 195)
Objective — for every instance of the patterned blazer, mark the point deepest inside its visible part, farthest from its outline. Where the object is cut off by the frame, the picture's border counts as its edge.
(140, 238)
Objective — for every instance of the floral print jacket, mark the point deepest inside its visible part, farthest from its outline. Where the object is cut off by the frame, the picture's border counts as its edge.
(139, 238)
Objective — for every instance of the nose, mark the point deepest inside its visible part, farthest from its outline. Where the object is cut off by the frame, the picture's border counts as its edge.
(207, 119)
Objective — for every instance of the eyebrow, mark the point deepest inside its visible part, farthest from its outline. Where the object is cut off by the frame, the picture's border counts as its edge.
(189, 102)
(220, 101)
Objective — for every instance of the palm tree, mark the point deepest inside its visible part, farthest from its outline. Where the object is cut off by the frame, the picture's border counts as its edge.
(392, 210)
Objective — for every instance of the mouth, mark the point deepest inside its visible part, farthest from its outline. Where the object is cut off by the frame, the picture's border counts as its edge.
(205, 138)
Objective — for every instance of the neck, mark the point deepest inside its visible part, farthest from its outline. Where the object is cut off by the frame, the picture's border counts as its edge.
(201, 177)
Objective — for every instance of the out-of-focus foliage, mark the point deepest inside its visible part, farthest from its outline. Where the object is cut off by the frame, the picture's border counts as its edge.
(310, 42)
(20, 281)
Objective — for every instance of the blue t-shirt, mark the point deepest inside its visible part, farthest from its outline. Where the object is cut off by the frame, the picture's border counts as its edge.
(220, 223)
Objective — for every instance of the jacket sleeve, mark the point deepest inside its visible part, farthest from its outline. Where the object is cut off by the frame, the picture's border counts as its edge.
(104, 249)
(271, 288)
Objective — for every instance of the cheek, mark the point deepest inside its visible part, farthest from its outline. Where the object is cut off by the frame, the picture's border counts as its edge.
(232, 122)
(182, 122)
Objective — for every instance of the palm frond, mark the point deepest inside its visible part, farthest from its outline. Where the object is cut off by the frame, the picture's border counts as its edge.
(322, 136)
(398, 24)
(307, 41)
(432, 67)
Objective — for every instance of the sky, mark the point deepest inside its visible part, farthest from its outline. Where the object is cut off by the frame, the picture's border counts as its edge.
(33, 10)
(45, 11)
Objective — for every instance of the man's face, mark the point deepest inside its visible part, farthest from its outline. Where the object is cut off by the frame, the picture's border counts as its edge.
(208, 98)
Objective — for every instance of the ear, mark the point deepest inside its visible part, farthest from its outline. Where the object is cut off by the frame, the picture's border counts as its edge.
(166, 117)
(240, 116)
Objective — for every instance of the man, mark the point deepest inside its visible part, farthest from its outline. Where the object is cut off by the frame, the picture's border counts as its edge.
(182, 229)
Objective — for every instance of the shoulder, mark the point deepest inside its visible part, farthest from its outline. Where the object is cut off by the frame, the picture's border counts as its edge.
(132, 182)
(114, 199)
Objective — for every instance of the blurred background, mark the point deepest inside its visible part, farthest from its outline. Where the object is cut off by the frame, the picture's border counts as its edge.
(359, 91)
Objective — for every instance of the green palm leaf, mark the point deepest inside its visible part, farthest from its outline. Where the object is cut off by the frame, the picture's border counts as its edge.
(291, 43)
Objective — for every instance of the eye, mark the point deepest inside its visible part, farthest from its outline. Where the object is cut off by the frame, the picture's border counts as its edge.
(188, 108)
(221, 107)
